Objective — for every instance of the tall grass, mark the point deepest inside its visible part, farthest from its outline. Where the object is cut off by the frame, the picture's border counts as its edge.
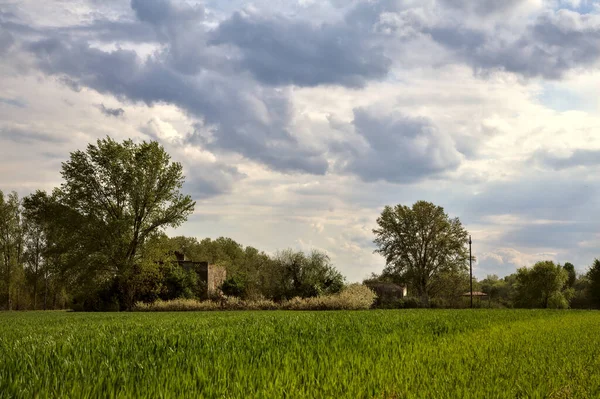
(340, 354)
(352, 297)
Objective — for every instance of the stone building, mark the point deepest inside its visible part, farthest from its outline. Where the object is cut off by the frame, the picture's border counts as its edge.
(210, 276)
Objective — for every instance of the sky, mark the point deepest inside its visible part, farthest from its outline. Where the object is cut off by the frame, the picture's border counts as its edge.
(298, 121)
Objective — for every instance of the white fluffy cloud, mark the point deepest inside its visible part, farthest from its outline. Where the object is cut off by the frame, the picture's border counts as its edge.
(296, 122)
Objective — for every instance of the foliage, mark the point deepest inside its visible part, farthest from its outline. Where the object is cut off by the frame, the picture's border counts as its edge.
(11, 250)
(593, 277)
(352, 297)
(419, 244)
(233, 286)
(541, 286)
(572, 274)
(193, 305)
(117, 195)
(375, 354)
(294, 274)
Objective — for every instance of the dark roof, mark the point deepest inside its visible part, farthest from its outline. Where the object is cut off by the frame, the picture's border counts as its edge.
(384, 285)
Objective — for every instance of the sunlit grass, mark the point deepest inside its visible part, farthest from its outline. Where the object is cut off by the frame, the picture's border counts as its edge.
(276, 354)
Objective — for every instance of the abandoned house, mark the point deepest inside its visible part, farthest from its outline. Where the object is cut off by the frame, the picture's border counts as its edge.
(387, 293)
(211, 276)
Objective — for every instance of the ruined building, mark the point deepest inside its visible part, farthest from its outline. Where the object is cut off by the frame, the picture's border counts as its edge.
(210, 276)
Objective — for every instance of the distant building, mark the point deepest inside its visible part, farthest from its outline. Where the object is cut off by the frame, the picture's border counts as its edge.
(387, 292)
(210, 276)
(476, 294)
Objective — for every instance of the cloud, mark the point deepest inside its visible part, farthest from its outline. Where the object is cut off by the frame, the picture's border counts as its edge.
(506, 260)
(116, 112)
(239, 115)
(18, 135)
(538, 196)
(165, 12)
(205, 175)
(398, 148)
(553, 44)
(483, 7)
(548, 44)
(578, 158)
(13, 102)
(282, 51)
(557, 235)
(6, 40)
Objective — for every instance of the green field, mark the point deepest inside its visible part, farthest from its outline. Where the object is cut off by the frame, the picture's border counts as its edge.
(364, 354)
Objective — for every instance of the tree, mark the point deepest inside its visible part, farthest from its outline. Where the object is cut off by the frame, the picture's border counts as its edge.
(572, 274)
(541, 286)
(34, 227)
(294, 274)
(11, 247)
(593, 276)
(114, 197)
(421, 244)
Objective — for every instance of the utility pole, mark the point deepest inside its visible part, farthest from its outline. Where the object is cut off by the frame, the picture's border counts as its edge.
(471, 270)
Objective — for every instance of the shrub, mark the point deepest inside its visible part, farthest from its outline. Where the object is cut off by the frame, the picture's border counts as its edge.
(225, 303)
(558, 301)
(233, 286)
(352, 297)
(410, 303)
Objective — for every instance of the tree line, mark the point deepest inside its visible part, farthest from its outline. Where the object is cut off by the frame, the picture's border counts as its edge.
(98, 241)
(427, 251)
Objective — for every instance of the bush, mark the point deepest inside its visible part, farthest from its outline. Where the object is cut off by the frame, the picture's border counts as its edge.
(176, 305)
(353, 297)
(225, 303)
(558, 301)
(410, 303)
(233, 286)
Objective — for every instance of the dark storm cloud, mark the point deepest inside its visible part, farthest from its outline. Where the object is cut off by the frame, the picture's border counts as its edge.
(579, 157)
(116, 112)
(400, 149)
(243, 117)
(281, 51)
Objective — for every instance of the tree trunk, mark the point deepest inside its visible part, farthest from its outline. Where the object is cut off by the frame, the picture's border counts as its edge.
(46, 291)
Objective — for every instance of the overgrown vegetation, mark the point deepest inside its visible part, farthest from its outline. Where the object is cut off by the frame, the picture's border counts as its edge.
(374, 354)
(352, 297)
(98, 243)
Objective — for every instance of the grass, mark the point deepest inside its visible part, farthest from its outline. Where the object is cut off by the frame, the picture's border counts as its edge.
(277, 354)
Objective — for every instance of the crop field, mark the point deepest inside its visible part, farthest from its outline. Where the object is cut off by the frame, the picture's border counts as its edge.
(277, 354)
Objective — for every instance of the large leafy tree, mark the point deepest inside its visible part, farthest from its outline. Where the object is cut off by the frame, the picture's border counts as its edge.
(421, 244)
(115, 196)
(296, 274)
(541, 286)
